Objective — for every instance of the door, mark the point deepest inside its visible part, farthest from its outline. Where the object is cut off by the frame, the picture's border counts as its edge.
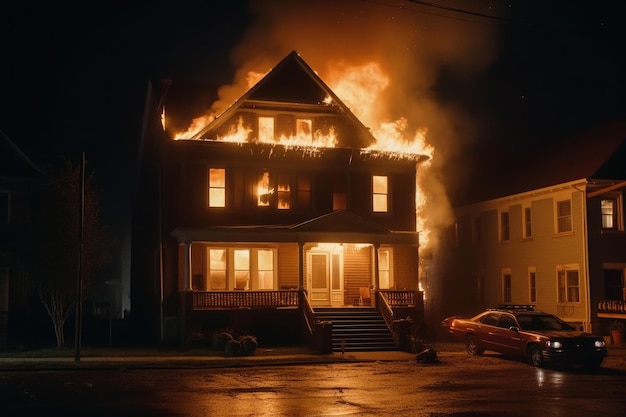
(318, 273)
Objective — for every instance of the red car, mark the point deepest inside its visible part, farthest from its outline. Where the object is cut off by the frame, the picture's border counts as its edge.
(541, 338)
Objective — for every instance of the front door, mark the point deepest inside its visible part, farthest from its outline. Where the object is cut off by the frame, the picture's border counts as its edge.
(318, 272)
(325, 278)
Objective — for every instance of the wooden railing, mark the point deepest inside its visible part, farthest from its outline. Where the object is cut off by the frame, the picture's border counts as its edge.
(385, 309)
(401, 298)
(612, 306)
(307, 312)
(220, 300)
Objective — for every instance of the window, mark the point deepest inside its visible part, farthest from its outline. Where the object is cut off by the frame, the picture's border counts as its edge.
(609, 210)
(284, 192)
(217, 187)
(507, 321)
(507, 291)
(528, 225)
(241, 265)
(303, 185)
(217, 269)
(532, 285)
(266, 129)
(265, 190)
(380, 193)
(568, 284)
(505, 233)
(384, 268)
(5, 201)
(614, 284)
(564, 216)
(241, 269)
(304, 129)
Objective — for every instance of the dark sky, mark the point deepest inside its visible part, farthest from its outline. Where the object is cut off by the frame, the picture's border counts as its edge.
(510, 76)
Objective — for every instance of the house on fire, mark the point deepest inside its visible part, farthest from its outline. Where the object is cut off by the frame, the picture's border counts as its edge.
(272, 231)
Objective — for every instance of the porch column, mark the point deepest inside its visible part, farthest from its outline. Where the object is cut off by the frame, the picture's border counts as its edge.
(300, 265)
(376, 274)
(187, 265)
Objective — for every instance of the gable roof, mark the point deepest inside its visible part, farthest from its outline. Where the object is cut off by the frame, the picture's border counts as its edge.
(13, 162)
(294, 84)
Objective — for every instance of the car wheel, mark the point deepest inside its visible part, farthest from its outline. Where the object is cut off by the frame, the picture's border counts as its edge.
(534, 356)
(471, 345)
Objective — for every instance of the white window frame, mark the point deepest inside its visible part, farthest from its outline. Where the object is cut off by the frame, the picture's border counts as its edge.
(253, 268)
(563, 293)
(506, 273)
(504, 229)
(532, 285)
(216, 190)
(380, 197)
(617, 216)
(388, 270)
(559, 218)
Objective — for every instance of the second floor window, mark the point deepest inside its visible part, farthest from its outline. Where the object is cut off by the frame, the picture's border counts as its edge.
(608, 207)
(284, 192)
(564, 216)
(505, 230)
(217, 187)
(380, 197)
(528, 225)
(568, 285)
(266, 129)
(304, 192)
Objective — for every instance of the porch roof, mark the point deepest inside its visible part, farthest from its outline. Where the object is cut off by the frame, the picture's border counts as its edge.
(339, 226)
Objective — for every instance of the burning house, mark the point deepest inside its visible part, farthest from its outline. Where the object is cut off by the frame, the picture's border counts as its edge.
(272, 216)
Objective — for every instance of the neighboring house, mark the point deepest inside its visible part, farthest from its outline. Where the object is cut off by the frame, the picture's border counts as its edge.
(270, 213)
(560, 244)
(18, 180)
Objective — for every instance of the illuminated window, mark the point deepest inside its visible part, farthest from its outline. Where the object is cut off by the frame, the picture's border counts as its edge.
(564, 216)
(265, 190)
(532, 285)
(384, 268)
(304, 129)
(5, 201)
(217, 269)
(304, 192)
(284, 192)
(265, 269)
(507, 289)
(217, 187)
(380, 193)
(528, 226)
(505, 231)
(241, 259)
(568, 284)
(266, 129)
(610, 209)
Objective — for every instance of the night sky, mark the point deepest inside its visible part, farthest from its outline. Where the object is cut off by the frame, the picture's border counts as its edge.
(493, 80)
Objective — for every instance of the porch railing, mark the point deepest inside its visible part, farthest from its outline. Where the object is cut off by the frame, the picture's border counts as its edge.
(218, 300)
(612, 306)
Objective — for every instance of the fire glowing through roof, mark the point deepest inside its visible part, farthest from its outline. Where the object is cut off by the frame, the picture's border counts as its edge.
(359, 88)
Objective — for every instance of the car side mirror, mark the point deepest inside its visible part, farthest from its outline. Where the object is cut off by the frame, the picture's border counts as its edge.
(514, 328)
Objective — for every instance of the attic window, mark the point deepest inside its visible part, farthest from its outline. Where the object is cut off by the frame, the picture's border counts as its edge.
(266, 129)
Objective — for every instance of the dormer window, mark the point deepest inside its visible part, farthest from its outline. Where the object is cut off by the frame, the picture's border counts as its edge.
(380, 197)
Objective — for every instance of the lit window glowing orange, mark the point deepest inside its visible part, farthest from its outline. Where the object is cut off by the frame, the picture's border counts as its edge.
(380, 193)
(217, 187)
(242, 269)
(265, 265)
(264, 190)
(284, 192)
(266, 129)
(304, 130)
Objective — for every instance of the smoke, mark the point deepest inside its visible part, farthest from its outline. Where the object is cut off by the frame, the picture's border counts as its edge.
(413, 44)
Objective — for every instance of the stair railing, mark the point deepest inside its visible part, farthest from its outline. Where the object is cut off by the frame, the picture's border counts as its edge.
(385, 310)
(307, 312)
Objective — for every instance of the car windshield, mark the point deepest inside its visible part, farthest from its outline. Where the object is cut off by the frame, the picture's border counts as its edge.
(542, 322)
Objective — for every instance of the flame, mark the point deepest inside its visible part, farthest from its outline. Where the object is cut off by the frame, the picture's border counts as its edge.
(196, 125)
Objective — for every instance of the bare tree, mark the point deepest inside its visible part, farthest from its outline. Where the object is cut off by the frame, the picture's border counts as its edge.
(56, 253)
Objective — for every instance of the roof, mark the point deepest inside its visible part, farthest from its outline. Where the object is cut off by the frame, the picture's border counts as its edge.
(294, 84)
(337, 226)
(13, 162)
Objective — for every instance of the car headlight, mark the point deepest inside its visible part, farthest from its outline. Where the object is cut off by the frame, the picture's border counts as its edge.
(599, 343)
(554, 344)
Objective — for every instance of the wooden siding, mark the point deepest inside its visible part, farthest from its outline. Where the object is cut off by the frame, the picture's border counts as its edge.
(405, 267)
(357, 273)
(288, 266)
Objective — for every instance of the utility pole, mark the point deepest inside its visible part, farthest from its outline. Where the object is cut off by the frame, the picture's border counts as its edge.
(79, 277)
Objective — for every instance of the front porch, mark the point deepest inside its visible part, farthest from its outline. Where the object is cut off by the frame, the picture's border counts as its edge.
(401, 311)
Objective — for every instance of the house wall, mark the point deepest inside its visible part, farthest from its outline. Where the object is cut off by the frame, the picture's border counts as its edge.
(473, 269)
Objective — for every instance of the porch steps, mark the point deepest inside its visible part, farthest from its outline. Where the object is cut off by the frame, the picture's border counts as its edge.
(357, 329)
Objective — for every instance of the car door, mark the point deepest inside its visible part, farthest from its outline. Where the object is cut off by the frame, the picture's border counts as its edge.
(486, 331)
(505, 340)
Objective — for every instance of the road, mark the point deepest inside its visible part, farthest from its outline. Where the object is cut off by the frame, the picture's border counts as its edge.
(459, 386)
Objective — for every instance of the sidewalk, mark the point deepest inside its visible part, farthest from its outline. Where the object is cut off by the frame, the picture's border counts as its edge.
(264, 357)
